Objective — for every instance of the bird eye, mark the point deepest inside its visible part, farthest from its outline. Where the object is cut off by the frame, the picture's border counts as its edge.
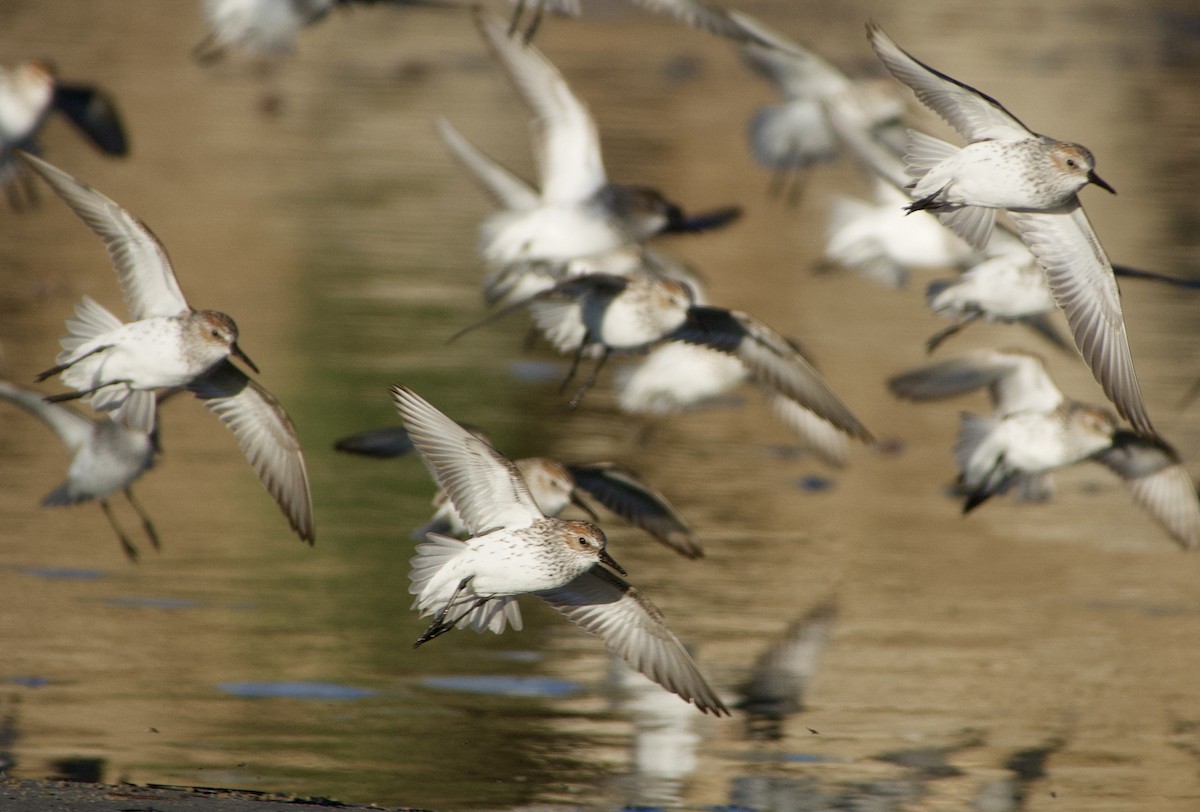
(582, 542)
(215, 333)
(1071, 162)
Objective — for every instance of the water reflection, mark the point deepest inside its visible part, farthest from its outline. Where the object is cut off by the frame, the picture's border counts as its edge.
(345, 235)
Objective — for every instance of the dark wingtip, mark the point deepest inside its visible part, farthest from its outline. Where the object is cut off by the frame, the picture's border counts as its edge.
(680, 223)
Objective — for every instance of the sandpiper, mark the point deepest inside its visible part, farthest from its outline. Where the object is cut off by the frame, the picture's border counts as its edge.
(29, 93)
(676, 377)
(106, 457)
(1009, 288)
(1005, 165)
(553, 485)
(1035, 178)
(795, 134)
(577, 212)
(119, 366)
(515, 550)
(1034, 429)
(634, 313)
(265, 28)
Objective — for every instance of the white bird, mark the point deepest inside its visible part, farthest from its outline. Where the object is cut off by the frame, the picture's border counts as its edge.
(577, 211)
(1005, 165)
(1010, 288)
(674, 377)
(1034, 429)
(29, 94)
(266, 28)
(515, 549)
(1008, 166)
(795, 134)
(119, 366)
(629, 314)
(106, 458)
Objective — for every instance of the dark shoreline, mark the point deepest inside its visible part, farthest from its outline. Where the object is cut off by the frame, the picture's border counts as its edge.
(75, 796)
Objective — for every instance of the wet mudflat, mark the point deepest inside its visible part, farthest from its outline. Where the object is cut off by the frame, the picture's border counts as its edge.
(1027, 656)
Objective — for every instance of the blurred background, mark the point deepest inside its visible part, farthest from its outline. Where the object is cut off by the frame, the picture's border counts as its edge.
(1026, 656)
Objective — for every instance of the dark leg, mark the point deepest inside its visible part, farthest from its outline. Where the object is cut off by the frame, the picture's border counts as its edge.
(927, 202)
(147, 525)
(439, 625)
(64, 367)
(76, 395)
(941, 335)
(798, 186)
(574, 364)
(590, 382)
(516, 18)
(131, 552)
(537, 21)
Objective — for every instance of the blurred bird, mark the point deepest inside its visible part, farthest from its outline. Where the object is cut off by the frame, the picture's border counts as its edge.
(119, 366)
(623, 314)
(794, 135)
(1034, 177)
(1005, 165)
(515, 549)
(553, 485)
(29, 93)
(577, 212)
(696, 13)
(674, 377)
(1009, 288)
(783, 673)
(1034, 429)
(106, 457)
(269, 28)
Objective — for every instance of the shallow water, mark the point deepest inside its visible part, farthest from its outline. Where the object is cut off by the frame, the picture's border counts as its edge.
(1044, 651)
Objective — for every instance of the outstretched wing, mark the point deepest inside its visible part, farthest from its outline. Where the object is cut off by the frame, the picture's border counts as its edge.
(265, 433)
(626, 495)
(976, 116)
(482, 483)
(1081, 278)
(633, 629)
(147, 279)
(567, 144)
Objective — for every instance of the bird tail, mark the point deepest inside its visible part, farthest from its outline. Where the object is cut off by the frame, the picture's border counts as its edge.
(91, 319)
(435, 582)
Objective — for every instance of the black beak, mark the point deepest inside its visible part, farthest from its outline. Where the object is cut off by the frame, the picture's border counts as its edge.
(1099, 181)
(236, 352)
(578, 502)
(607, 559)
(678, 222)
